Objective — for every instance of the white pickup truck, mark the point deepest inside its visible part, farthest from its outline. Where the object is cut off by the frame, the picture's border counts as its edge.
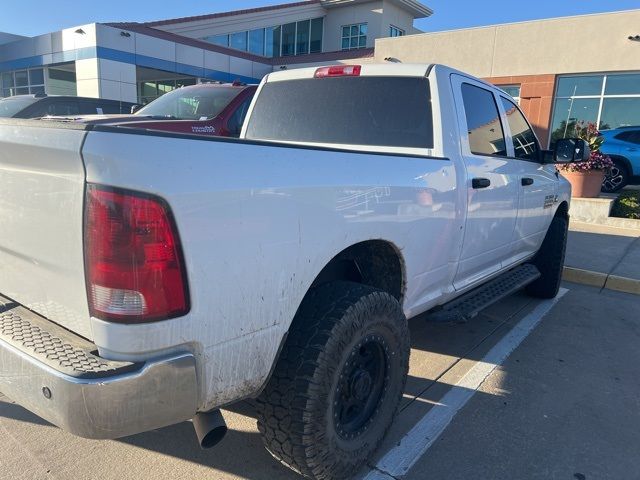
(148, 278)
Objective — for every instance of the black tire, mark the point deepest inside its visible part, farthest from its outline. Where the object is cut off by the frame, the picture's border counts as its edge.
(550, 260)
(616, 178)
(341, 335)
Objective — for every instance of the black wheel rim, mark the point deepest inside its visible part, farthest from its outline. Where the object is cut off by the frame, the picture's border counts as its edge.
(613, 179)
(361, 387)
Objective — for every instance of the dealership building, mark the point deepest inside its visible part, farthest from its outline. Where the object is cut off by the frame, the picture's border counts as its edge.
(561, 70)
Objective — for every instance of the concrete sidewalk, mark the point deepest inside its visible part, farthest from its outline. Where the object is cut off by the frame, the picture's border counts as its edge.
(604, 257)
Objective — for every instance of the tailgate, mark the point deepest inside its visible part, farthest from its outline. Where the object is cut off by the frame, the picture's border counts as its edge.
(41, 210)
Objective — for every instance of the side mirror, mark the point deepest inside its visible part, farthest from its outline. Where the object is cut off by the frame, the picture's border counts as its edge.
(571, 150)
(135, 108)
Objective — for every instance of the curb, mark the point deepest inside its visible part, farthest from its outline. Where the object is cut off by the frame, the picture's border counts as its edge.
(601, 280)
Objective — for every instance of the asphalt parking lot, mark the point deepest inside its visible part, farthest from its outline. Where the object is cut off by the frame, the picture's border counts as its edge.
(565, 404)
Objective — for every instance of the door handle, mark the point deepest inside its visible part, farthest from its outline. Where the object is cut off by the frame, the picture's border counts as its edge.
(632, 149)
(480, 183)
(526, 181)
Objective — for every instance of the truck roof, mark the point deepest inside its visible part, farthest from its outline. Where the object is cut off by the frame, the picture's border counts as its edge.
(389, 69)
(367, 70)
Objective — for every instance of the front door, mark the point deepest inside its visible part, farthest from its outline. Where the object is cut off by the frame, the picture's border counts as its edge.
(538, 184)
(493, 185)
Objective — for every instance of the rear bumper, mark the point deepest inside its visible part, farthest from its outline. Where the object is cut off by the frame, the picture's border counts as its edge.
(54, 374)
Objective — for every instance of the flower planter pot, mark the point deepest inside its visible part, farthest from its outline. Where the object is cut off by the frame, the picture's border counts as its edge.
(585, 184)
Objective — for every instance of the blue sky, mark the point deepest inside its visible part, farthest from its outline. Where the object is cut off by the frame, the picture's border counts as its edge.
(34, 17)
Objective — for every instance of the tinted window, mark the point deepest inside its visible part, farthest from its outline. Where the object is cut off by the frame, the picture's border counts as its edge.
(632, 136)
(66, 107)
(628, 84)
(620, 112)
(524, 140)
(12, 106)
(234, 125)
(382, 111)
(486, 136)
(109, 108)
(580, 85)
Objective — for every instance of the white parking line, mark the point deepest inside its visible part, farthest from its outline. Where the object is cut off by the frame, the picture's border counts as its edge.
(397, 461)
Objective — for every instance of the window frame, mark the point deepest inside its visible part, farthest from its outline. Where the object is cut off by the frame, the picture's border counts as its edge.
(512, 85)
(277, 33)
(30, 87)
(462, 121)
(351, 37)
(509, 134)
(600, 97)
(400, 31)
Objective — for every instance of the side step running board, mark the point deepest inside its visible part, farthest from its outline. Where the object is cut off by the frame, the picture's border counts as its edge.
(473, 302)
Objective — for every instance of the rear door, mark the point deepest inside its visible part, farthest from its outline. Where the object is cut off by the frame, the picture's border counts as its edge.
(538, 183)
(493, 183)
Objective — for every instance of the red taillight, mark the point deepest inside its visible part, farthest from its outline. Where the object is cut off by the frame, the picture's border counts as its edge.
(134, 266)
(338, 71)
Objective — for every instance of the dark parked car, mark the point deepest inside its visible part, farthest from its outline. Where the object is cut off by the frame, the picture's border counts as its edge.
(35, 106)
(623, 146)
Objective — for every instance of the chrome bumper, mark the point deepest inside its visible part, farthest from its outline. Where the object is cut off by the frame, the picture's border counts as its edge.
(54, 374)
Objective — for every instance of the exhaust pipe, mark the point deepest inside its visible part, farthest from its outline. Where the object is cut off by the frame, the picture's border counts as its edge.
(210, 428)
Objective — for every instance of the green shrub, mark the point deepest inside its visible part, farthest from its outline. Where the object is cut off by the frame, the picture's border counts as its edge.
(627, 205)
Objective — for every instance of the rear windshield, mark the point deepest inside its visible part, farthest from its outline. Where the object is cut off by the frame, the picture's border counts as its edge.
(192, 103)
(377, 111)
(10, 106)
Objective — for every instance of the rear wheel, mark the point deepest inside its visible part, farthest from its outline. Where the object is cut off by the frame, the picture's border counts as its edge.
(550, 260)
(616, 178)
(338, 382)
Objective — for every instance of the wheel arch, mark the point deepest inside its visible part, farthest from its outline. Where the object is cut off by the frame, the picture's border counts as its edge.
(562, 210)
(376, 263)
(625, 162)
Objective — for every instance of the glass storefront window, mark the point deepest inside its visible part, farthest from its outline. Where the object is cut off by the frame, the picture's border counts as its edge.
(302, 37)
(568, 112)
(238, 41)
(222, 40)
(288, 39)
(623, 84)
(620, 112)
(316, 35)
(36, 76)
(256, 41)
(618, 106)
(22, 82)
(165, 86)
(148, 89)
(580, 86)
(272, 41)
(22, 79)
(7, 80)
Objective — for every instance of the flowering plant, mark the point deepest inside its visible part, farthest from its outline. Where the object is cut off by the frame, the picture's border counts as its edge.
(597, 161)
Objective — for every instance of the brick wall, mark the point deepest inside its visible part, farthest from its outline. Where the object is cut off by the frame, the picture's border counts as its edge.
(536, 100)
